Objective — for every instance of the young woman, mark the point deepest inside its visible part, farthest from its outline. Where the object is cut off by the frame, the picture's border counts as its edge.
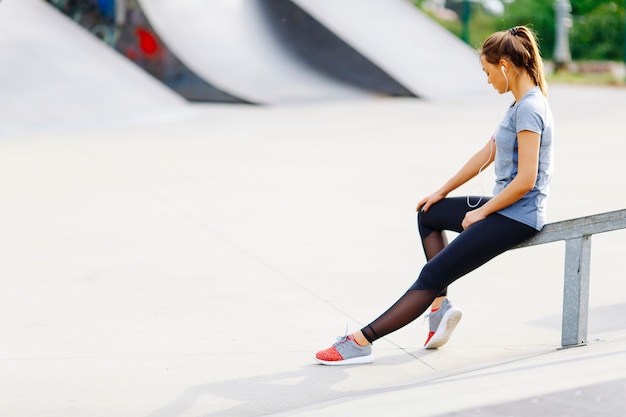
(521, 148)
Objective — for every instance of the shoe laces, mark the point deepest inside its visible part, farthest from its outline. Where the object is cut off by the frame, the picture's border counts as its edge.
(342, 339)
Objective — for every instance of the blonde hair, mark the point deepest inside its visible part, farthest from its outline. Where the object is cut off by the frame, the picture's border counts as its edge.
(519, 45)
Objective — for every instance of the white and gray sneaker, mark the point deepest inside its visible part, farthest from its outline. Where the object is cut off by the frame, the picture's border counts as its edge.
(346, 351)
(442, 322)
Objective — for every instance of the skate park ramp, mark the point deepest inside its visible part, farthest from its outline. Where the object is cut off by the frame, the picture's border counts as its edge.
(405, 43)
(320, 48)
(236, 46)
(55, 75)
(231, 45)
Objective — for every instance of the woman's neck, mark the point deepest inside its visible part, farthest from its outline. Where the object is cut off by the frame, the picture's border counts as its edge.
(522, 85)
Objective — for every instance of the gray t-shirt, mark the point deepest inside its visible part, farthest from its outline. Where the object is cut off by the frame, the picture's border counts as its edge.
(531, 113)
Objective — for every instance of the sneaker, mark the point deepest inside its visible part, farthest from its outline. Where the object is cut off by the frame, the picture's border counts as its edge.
(345, 352)
(442, 323)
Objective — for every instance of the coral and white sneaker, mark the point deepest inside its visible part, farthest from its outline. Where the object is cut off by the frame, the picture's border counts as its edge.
(442, 322)
(346, 351)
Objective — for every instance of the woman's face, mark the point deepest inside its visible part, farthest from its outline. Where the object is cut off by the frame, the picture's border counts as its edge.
(495, 76)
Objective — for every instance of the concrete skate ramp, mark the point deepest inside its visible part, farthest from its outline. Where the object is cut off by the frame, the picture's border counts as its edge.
(230, 44)
(54, 74)
(322, 50)
(405, 43)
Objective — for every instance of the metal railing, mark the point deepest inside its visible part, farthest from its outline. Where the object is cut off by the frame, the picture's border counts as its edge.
(577, 236)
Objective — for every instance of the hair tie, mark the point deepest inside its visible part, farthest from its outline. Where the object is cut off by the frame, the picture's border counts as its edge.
(513, 31)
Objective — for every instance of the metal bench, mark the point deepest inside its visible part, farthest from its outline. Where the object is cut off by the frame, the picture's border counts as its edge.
(577, 236)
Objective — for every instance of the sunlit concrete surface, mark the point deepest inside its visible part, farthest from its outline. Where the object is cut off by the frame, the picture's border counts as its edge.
(194, 267)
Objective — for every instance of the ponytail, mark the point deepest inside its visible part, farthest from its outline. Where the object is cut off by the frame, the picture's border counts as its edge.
(519, 45)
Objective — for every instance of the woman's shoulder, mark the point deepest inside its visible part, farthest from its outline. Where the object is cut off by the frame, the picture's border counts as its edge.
(534, 100)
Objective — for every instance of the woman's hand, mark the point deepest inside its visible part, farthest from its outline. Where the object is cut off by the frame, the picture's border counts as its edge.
(426, 202)
(472, 217)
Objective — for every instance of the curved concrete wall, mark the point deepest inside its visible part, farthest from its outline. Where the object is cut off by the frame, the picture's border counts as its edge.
(232, 46)
(405, 43)
(54, 74)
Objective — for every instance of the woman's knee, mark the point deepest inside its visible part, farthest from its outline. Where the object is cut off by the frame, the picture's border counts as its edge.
(420, 216)
(423, 223)
(427, 280)
(446, 214)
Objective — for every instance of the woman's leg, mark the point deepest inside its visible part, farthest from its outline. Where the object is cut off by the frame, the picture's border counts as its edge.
(444, 215)
(469, 250)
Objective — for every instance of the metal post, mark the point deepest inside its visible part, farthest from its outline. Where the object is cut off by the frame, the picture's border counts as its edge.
(562, 56)
(120, 12)
(576, 292)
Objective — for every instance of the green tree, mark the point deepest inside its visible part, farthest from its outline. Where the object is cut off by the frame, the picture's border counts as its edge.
(597, 31)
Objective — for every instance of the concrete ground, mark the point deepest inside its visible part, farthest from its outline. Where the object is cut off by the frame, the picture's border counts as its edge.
(194, 267)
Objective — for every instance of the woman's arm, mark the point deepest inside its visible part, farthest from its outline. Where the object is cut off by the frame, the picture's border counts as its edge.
(528, 165)
(482, 159)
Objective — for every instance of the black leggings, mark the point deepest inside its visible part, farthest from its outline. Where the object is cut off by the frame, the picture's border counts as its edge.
(472, 248)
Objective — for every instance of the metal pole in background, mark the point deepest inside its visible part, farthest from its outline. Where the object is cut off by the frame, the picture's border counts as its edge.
(562, 56)
(120, 12)
(465, 18)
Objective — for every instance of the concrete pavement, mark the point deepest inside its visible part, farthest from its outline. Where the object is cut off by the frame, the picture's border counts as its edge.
(194, 267)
